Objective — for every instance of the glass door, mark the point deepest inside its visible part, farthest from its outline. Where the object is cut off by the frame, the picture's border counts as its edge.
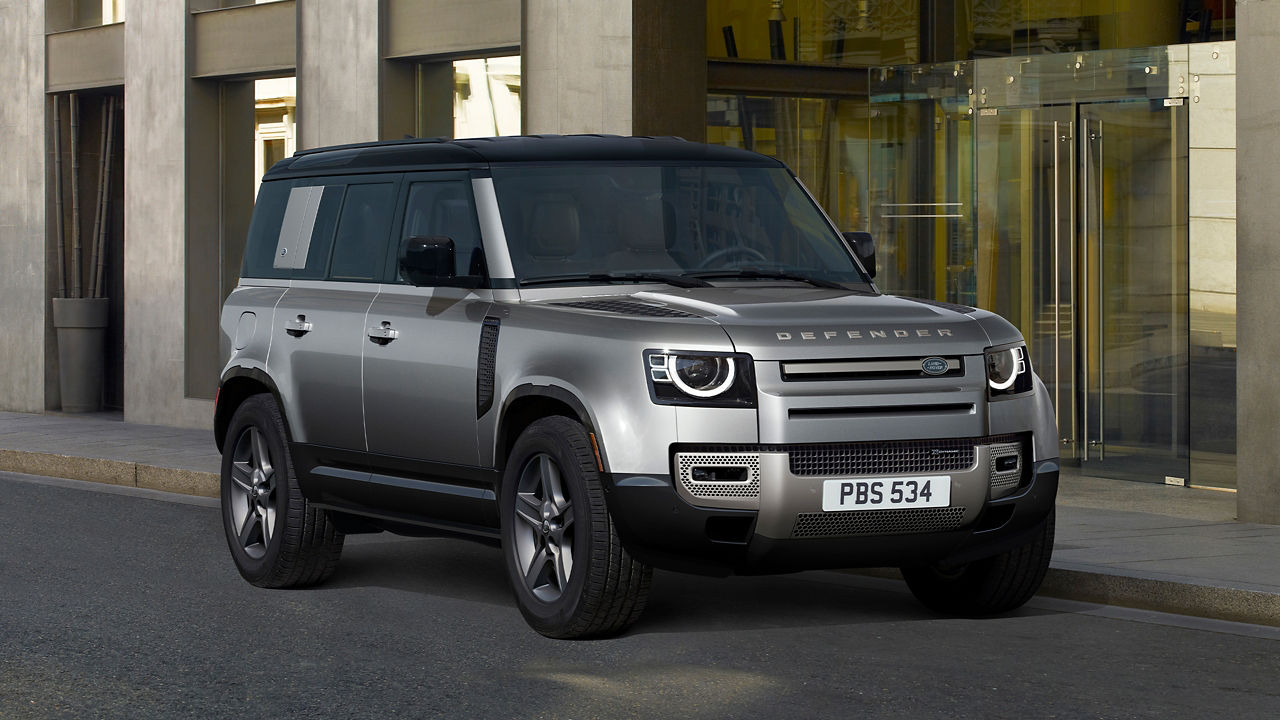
(1026, 246)
(1131, 290)
(1082, 244)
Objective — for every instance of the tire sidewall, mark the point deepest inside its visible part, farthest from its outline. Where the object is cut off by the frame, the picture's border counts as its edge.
(258, 411)
(542, 615)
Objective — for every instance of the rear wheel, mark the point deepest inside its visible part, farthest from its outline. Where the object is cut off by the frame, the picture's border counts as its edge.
(989, 586)
(571, 576)
(277, 539)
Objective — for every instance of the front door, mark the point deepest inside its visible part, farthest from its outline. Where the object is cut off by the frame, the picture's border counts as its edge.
(1082, 228)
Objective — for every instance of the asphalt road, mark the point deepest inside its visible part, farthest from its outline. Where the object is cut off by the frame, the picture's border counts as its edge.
(124, 603)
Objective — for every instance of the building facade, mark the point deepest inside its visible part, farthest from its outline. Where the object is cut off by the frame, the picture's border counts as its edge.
(1072, 166)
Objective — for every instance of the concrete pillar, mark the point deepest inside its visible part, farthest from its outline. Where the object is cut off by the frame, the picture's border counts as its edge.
(338, 67)
(1258, 260)
(24, 294)
(155, 216)
(627, 67)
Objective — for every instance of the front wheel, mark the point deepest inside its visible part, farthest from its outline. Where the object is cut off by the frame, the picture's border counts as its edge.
(571, 576)
(989, 586)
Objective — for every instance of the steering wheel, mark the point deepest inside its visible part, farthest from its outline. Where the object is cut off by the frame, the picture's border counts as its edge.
(746, 252)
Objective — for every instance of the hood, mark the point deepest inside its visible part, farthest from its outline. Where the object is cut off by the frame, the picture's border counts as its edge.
(789, 323)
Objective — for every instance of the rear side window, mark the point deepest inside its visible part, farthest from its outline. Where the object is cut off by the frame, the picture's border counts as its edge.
(317, 209)
(264, 232)
(362, 232)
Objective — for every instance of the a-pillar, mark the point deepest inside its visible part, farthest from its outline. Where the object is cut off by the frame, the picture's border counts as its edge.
(1258, 261)
(624, 67)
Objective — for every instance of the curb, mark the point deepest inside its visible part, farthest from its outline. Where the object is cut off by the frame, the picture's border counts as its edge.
(1090, 586)
(111, 472)
(1168, 596)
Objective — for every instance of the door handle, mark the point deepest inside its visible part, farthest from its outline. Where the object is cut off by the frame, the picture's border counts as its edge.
(298, 327)
(384, 333)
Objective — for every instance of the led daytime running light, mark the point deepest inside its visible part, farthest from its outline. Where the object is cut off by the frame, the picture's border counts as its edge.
(684, 387)
(1019, 367)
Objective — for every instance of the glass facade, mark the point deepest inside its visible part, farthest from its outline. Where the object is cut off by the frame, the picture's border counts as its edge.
(868, 33)
(1034, 159)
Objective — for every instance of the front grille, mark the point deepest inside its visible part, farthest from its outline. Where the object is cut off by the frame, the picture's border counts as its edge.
(877, 522)
(749, 488)
(884, 458)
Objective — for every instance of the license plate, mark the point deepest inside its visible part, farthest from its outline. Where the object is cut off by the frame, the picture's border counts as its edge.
(882, 493)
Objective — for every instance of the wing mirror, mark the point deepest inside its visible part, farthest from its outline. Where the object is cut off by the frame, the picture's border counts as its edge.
(428, 261)
(864, 246)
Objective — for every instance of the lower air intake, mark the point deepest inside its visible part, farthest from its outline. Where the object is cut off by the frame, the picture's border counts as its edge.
(877, 522)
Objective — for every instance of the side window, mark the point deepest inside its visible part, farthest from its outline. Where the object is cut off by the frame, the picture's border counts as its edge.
(312, 249)
(264, 232)
(363, 227)
(444, 208)
(301, 242)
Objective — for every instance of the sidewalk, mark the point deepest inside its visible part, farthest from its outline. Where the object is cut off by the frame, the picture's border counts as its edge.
(1139, 545)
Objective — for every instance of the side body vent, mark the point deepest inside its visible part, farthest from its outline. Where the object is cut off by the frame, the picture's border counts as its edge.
(485, 365)
(628, 307)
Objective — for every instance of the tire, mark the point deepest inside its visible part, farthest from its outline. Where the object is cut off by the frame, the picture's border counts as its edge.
(277, 539)
(571, 579)
(989, 586)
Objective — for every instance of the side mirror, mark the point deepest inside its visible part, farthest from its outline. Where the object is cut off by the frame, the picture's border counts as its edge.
(864, 246)
(428, 261)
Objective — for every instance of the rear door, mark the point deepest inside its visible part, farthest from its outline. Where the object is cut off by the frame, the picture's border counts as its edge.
(332, 241)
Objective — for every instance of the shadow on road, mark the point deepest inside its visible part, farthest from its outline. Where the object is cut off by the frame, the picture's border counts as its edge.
(678, 603)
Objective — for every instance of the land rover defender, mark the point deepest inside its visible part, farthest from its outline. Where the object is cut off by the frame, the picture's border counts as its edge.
(607, 355)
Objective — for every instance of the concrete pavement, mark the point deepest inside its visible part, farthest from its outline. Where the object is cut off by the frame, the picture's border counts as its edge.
(1139, 545)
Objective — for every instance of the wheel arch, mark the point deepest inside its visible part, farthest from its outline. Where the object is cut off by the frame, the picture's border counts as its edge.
(526, 404)
(239, 384)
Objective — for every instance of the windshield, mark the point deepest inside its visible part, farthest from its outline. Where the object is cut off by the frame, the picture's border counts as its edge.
(632, 222)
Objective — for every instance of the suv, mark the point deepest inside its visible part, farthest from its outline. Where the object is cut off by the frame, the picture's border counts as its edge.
(606, 355)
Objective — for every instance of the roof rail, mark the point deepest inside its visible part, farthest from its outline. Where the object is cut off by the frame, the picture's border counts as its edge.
(372, 143)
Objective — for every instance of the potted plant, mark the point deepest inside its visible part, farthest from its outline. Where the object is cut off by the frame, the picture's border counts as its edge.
(80, 312)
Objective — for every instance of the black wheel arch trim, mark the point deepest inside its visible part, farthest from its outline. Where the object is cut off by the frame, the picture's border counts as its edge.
(550, 392)
(222, 412)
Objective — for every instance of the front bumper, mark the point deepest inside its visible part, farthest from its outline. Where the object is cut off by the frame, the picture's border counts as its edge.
(660, 526)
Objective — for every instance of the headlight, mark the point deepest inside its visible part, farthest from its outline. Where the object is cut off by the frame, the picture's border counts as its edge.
(700, 378)
(1008, 370)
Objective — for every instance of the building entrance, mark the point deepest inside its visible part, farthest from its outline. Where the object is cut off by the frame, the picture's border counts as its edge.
(1082, 241)
(1054, 190)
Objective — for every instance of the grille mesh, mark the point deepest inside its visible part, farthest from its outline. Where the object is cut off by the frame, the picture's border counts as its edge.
(488, 358)
(877, 522)
(686, 462)
(628, 307)
(1002, 482)
(884, 458)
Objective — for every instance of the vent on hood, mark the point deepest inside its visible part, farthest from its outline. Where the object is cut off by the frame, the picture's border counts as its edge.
(628, 307)
(944, 305)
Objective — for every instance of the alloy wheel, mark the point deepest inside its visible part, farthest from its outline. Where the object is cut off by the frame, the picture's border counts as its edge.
(253, 492)
(544, 528)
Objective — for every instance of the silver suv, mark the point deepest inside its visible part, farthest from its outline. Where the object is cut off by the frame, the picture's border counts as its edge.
(606, 355)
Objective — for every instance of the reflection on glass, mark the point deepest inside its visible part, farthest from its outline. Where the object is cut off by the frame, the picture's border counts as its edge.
(889, 32)
(275, 127)
(823, 140)
(486, 97)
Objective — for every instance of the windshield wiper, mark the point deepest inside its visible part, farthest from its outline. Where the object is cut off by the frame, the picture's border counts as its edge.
(681, 281)
(754, 274)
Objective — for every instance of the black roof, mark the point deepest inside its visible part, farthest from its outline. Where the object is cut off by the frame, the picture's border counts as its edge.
(440, 153)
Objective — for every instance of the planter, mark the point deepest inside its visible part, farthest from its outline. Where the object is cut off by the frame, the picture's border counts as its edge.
(82, 331)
